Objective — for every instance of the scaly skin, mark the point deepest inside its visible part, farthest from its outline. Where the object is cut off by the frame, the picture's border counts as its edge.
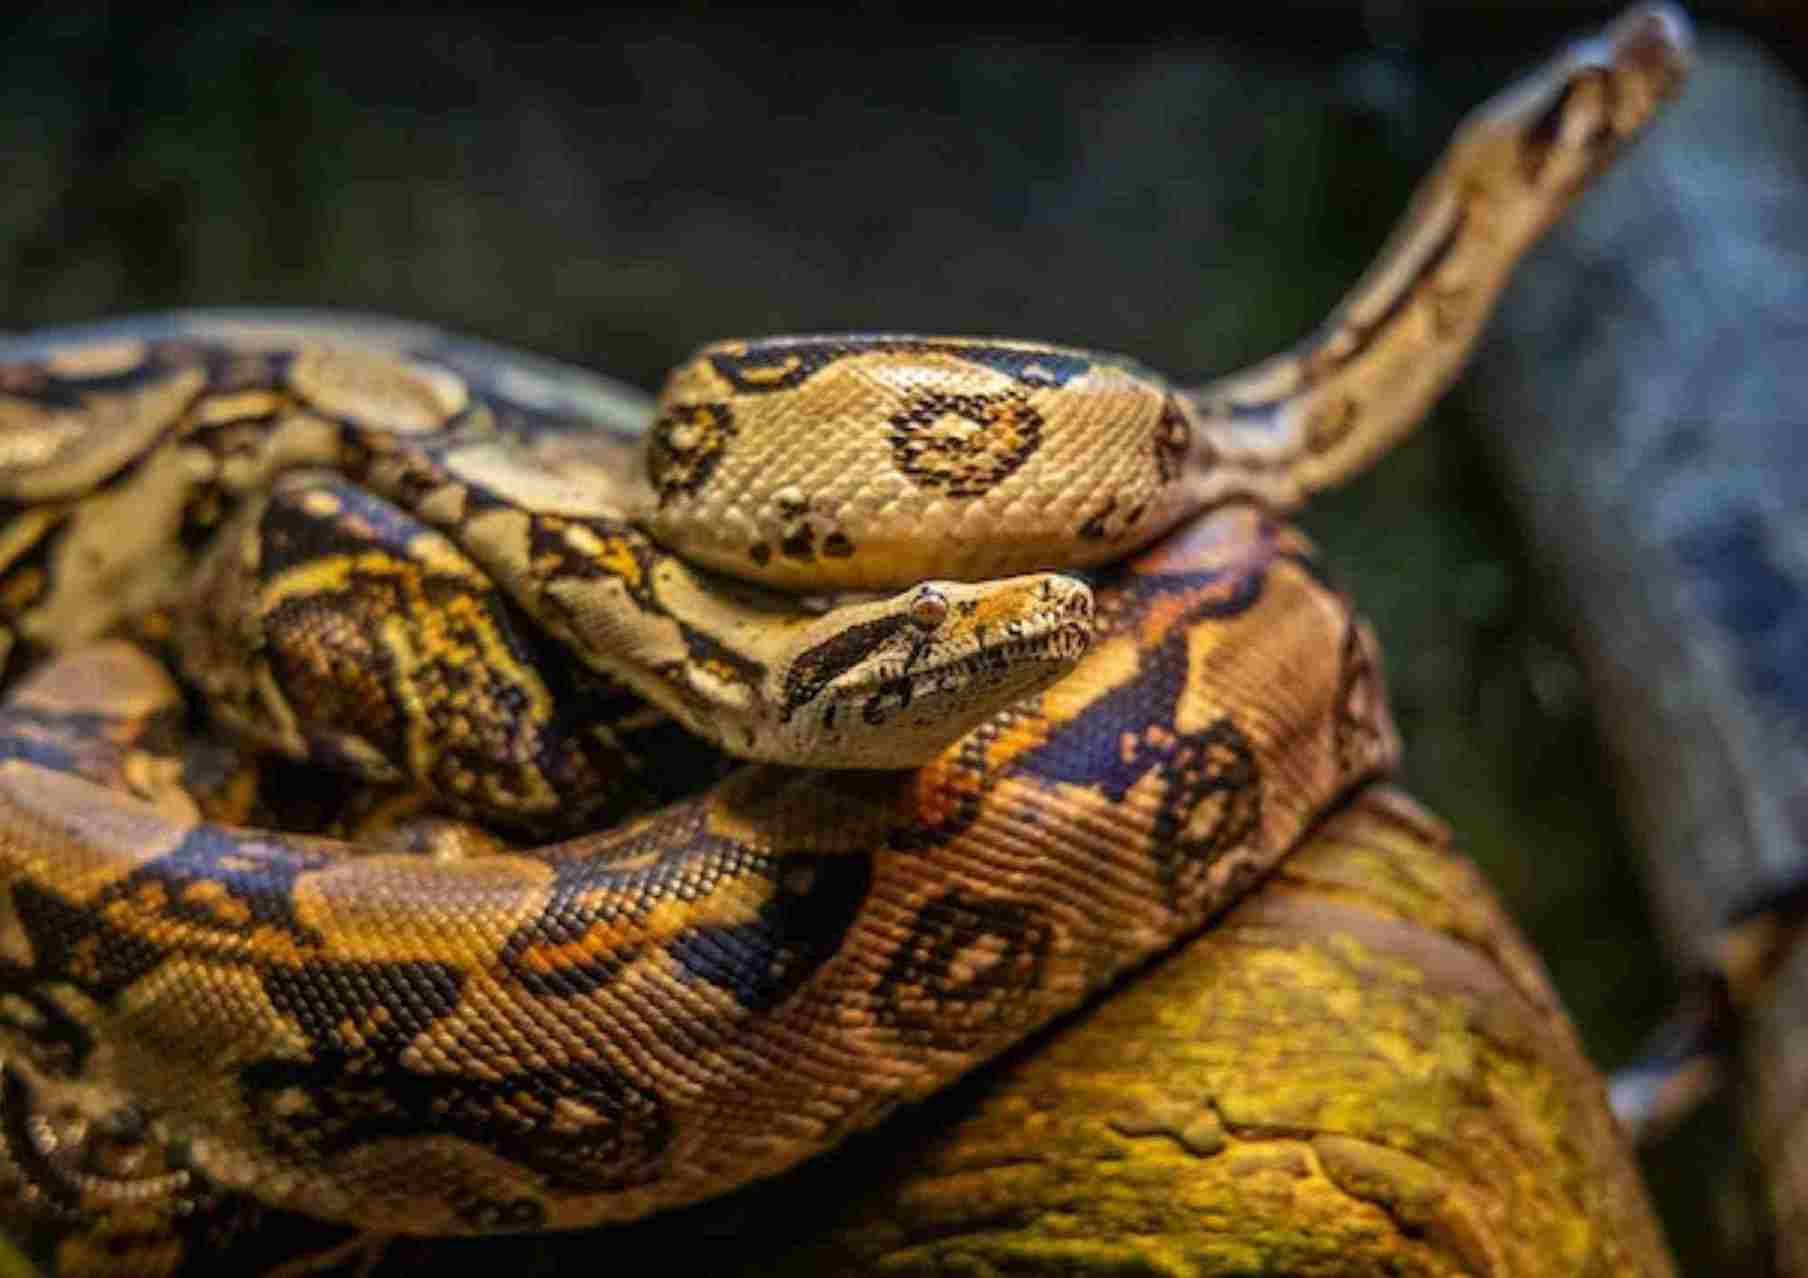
(128, 446)
(587, 1031)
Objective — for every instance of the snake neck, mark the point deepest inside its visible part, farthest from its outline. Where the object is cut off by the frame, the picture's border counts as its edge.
(1322, 411)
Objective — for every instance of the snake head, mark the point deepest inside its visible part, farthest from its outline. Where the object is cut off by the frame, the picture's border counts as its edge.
(890, 683)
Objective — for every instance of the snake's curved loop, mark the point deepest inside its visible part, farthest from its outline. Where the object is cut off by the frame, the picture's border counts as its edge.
(557, 1035)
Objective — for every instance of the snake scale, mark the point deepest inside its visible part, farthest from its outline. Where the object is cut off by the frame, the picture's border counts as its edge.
(543, 959)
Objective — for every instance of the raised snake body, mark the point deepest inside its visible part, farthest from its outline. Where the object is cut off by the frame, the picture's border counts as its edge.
(418, 559)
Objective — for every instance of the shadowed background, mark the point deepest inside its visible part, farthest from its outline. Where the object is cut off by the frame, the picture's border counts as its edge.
(615, 191)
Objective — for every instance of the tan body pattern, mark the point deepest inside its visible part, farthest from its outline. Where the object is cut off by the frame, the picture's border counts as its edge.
(418, 559)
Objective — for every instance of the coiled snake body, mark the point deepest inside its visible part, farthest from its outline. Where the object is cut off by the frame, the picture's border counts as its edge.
(430, 565)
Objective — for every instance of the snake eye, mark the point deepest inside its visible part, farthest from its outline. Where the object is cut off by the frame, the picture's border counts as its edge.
(929, 609)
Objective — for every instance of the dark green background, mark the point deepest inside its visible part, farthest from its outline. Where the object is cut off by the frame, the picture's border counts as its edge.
(616, 193)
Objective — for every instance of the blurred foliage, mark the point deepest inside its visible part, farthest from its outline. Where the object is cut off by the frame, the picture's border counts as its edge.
(616, 194)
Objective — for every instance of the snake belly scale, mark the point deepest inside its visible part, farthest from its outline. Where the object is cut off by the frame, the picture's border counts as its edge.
(438, 567)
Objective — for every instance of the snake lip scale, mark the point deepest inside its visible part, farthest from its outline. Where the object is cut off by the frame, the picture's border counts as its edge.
(541, 957)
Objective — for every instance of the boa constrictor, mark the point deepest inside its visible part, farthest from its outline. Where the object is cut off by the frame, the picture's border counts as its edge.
(416, 558)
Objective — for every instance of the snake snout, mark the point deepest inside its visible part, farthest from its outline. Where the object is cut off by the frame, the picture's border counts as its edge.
(896, 685)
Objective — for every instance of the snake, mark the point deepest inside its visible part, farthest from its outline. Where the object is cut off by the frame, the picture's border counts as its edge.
(441, 793)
